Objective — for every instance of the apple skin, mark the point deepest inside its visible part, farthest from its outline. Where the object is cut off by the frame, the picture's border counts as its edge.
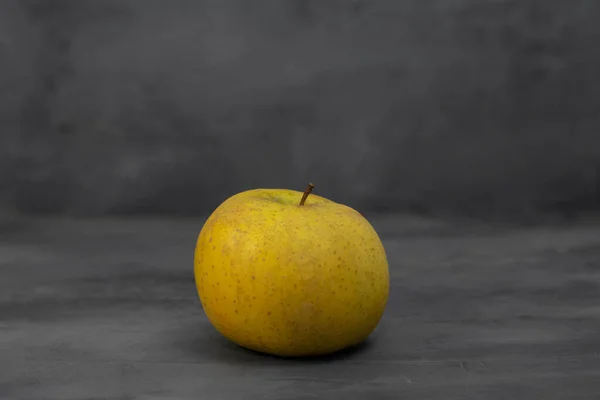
(289, 280)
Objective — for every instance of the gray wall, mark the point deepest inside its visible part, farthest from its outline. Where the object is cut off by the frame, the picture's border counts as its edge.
(443, 105)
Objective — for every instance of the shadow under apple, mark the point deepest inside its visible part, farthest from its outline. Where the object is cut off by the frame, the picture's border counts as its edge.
(202, 342)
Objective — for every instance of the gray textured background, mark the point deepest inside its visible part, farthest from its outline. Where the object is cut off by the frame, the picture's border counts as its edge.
(482, 107)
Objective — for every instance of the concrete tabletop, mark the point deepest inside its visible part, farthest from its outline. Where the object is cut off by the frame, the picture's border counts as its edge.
(107, 309)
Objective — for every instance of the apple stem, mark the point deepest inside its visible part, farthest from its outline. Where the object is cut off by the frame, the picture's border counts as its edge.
(307, 191)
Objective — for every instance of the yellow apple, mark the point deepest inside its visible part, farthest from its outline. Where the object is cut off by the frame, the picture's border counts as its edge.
(290, 274)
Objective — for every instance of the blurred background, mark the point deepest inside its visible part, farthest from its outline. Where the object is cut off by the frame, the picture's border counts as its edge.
(483, 108)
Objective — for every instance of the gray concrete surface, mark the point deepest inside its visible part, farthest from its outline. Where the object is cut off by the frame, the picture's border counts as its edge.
(107, 309)
(462, 106)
